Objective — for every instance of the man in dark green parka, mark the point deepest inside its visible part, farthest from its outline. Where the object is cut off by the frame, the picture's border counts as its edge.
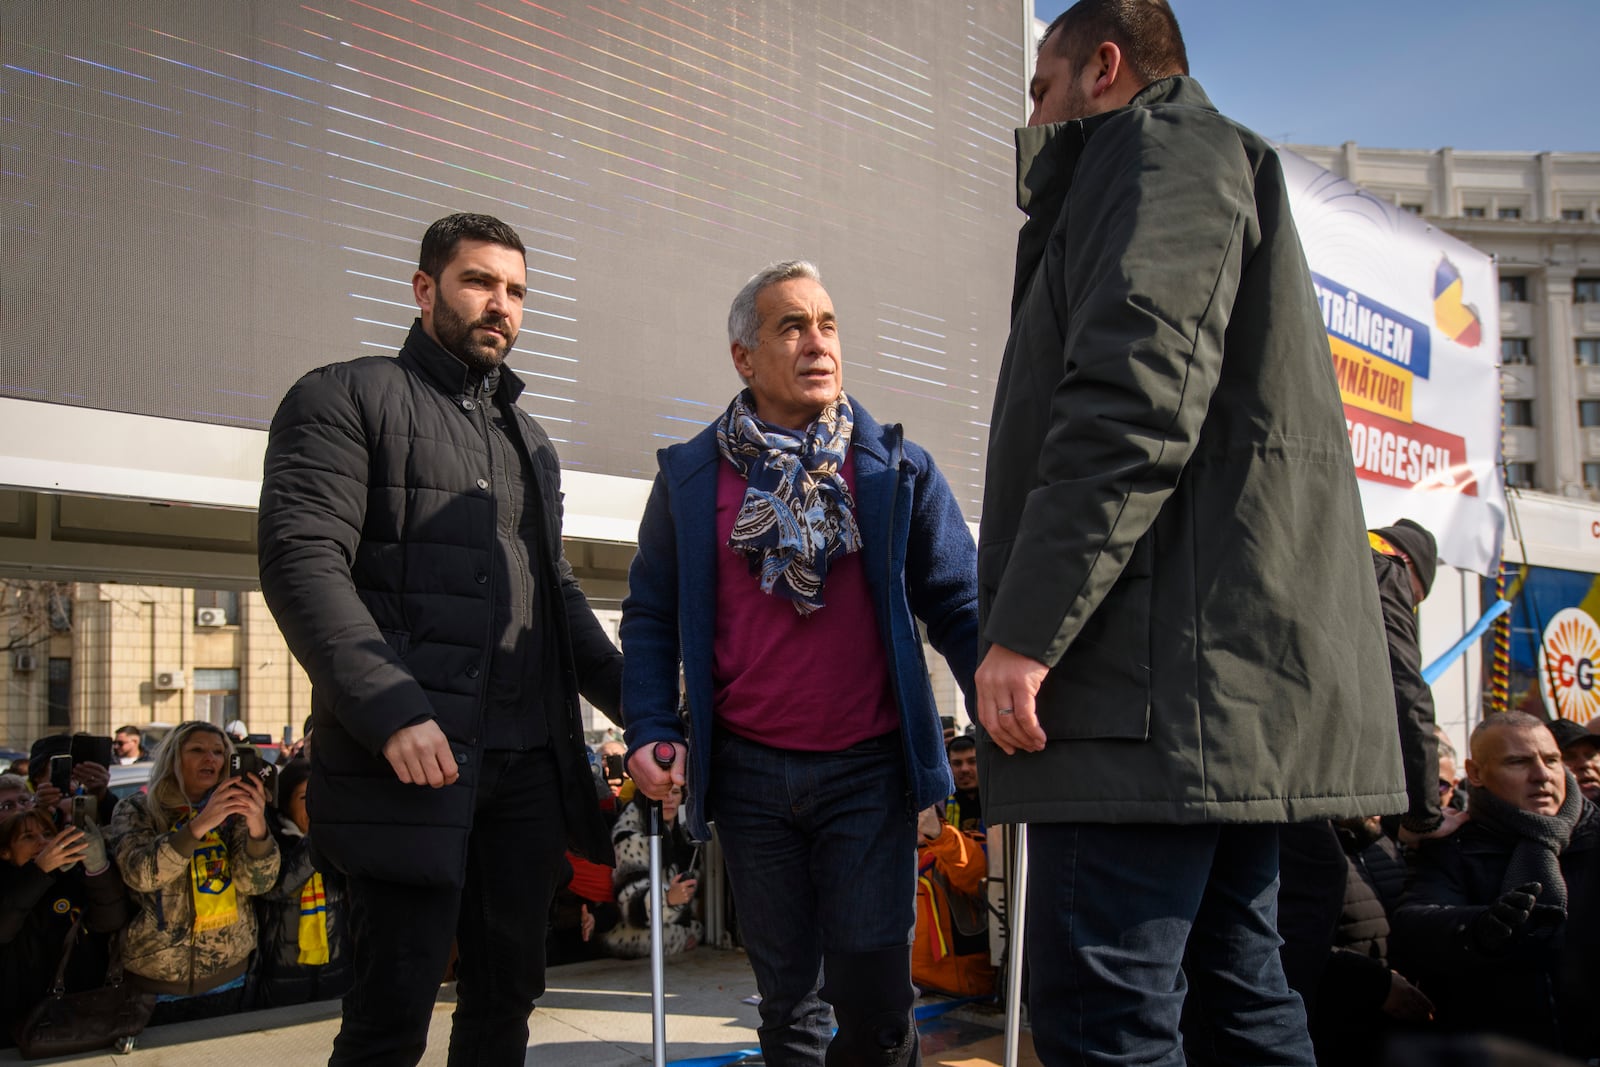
(1183, 642)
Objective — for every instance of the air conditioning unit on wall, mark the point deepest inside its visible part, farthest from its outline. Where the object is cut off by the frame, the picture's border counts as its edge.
(25, 661)
(169, 679)
(210, 617)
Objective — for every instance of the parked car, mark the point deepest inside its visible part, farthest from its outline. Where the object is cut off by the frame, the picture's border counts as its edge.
(129, 779)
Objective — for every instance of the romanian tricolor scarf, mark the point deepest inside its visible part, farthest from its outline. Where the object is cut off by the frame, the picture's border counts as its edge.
(313, 922)
(211, 880)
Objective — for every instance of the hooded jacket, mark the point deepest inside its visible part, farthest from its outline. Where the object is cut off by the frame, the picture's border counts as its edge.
(1170, 520)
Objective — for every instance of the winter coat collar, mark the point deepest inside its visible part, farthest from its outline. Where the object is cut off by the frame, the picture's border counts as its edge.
(447, 372)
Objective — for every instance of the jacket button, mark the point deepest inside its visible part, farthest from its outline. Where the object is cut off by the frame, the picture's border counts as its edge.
(481, 577)
(467, 405)
(472, 671)
(483, 483)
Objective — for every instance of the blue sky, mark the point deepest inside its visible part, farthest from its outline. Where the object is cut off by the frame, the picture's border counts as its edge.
(1400, 73)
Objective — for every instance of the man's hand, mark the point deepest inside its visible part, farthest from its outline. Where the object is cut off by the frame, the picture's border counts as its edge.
(1007, 682)
(420, 755)
(1453, 820)
(930, 824)
(1406, 1002)
(1505, 918)
(653, 780)
(93, 777)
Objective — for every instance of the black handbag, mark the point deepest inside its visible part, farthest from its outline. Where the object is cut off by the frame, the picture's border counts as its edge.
(65, 1023)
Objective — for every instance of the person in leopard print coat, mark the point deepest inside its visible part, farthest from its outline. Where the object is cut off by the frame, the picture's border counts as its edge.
(680, 930)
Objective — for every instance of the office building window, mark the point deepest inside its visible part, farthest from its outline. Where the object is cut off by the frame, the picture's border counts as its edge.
(1473, 212)
(223, 600)
(1591, 475)
(216, 694)
(58, 697)
(1589, 413)
(1518, 412)
(1514, 289)
(1509, 213)
(1586, 290)
(1588, 350)
(1519, 475)
(1514, 350)
(1572, 214)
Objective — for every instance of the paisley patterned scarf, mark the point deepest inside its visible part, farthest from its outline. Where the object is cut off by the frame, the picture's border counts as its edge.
(797, 516)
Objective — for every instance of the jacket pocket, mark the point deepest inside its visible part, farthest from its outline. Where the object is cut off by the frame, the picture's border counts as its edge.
(1100, 689)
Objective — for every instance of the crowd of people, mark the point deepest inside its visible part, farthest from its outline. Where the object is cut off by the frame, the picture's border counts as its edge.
(1173, 633)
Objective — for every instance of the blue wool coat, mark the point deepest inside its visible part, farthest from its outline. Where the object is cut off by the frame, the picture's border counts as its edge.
(919, 561)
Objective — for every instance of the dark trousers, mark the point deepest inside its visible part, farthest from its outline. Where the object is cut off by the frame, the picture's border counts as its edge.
(821, 855)
(1127, 922)
(402, 933)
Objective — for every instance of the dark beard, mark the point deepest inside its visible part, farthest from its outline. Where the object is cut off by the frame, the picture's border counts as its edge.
(455, 337)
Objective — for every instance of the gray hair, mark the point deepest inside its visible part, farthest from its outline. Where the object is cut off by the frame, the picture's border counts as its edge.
(13, 781)
(742, 322)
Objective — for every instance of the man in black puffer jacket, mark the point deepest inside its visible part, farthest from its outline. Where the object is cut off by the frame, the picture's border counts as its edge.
(1500, 922)
(410, 549)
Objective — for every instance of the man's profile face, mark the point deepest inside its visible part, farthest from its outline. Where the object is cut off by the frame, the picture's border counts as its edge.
(1056, 91)
(1521, 766)
(964, 768)
(1583, 760)
(474, 308)
(127, 745)
(796, 368)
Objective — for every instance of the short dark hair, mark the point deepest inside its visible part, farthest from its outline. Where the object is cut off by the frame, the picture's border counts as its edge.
(961, 743)
(134, 730)
(1146, 31)
(439, 243)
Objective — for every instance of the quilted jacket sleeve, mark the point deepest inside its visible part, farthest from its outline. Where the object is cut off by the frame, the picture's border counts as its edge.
(313, 504)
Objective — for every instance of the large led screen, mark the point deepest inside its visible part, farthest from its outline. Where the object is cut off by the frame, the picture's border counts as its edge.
(201, 201)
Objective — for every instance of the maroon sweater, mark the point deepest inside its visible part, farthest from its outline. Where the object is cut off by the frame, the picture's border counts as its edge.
(813, 683)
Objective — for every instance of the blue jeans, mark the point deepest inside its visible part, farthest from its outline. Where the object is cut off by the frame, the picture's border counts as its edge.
(1127, 921)
(822, 858)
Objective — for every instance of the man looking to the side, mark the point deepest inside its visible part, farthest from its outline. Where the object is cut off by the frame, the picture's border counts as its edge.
(410, 542)
(1182, 640)
(786, 554)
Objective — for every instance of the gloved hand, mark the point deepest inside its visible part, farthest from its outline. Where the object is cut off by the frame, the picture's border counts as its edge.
(95, 860)
(1493, 930)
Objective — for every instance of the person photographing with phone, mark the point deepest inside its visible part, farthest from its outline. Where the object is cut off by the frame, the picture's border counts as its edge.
(681, 931)
(48, 877)
(193, 850)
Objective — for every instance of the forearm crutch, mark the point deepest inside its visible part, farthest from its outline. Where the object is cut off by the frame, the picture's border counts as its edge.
(1016, 923)
(664, 755)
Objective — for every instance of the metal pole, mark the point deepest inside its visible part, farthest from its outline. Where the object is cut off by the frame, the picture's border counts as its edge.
(1016, 924)
(664, 754)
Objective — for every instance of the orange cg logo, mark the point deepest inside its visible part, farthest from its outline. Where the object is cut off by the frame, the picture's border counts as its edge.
(1569, 662)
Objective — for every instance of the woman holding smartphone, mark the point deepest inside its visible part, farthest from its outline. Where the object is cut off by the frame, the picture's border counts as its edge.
(193, 849)
(47, 879)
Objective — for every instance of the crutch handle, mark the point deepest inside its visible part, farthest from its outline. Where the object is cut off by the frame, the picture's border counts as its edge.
(664, 753)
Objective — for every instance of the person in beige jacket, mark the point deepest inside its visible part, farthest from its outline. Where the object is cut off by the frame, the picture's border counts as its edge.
(191, 851)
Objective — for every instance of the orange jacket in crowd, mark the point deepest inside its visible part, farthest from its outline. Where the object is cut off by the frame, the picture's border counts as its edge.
(952, 915)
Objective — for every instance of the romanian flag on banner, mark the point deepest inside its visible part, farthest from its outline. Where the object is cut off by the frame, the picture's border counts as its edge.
(1457, 319)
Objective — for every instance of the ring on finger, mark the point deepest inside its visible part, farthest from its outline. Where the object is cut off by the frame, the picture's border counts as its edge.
(1004, 711)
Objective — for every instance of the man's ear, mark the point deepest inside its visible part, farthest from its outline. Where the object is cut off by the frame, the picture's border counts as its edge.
(423, 290)
(741, 360)
(1107, 64)
(1472, 772)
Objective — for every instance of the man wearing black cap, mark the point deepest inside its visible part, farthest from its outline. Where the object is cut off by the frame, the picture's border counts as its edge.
(1405, 558)
(1580, 751)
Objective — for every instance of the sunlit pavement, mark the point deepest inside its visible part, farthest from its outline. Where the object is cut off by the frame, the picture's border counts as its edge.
(593, 1014)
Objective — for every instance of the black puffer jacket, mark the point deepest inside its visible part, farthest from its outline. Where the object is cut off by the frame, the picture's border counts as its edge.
(377, 539)
(281, 978)
(1542, 986)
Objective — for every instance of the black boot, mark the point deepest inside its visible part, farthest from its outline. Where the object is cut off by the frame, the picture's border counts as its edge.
(871, 994)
